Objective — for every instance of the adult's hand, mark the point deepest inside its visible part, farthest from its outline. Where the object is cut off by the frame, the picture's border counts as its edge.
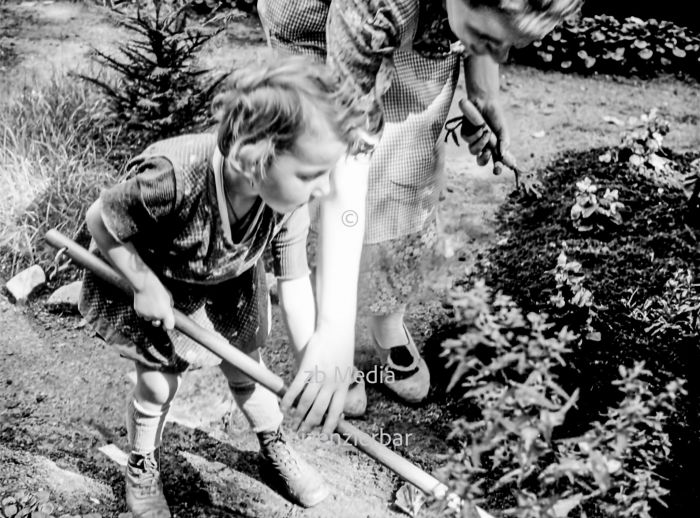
(492, 135)
(482, 79)
(321, 383)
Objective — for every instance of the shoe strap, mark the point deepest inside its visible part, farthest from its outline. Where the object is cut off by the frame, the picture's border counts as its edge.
(410, 345)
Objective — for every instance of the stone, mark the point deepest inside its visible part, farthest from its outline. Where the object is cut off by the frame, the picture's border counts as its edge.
(65, 298)
(9, 510)
(22, 285)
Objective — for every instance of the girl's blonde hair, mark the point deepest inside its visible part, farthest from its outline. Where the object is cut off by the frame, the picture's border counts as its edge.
(532, 18)
(268, 105)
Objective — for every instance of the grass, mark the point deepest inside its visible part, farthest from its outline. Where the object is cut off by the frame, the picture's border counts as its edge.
(54, 160)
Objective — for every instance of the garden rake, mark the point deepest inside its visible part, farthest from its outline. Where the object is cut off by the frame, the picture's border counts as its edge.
(471, 121)
(408, 471)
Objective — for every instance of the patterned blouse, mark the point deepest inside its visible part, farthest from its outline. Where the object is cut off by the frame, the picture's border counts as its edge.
(169, 209)
(173, 210)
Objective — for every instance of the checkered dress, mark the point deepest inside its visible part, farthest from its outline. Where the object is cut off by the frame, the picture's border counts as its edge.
(399, 52)
(169, 210)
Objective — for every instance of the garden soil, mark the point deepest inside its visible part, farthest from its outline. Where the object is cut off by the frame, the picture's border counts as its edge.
(63, 391)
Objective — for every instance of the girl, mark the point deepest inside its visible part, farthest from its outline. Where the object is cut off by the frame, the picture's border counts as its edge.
(188, 230)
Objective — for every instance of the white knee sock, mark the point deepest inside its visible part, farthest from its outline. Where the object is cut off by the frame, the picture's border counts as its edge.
(144, 427)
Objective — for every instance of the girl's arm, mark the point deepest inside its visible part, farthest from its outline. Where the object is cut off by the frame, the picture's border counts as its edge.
(152, 300)
(296, 299)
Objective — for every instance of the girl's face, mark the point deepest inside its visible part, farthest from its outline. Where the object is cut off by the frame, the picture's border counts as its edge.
(296, 176)
(483, 30)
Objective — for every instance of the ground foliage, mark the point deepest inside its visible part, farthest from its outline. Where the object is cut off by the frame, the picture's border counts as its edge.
(56, 156)
(607, 45)
(573, 342)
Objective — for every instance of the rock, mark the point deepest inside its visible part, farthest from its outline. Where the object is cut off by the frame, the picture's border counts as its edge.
(39, 514)
(9, 510)
(22, 285)
(124, 515)
(65, 298)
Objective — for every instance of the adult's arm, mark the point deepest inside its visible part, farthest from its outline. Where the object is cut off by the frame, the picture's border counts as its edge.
(330, 350)
(481, 74)
(360, 39)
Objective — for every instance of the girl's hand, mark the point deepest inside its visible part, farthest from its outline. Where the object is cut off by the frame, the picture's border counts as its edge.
(155, 304)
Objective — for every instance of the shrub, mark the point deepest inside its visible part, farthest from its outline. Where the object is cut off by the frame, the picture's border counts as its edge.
(54, 157)
(513, 454)
(606, 45)
(158, 91)
(642, 275)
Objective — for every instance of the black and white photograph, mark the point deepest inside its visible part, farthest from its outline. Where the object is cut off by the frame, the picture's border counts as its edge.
(349, 259)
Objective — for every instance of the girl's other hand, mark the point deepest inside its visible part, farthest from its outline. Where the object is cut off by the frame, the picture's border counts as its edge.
(155, 304)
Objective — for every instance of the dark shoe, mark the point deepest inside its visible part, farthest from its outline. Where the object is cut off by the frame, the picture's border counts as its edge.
(405, 372)
(144, 489)
(285, 470)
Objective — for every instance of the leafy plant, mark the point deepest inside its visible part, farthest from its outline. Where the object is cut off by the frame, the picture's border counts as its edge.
(604, 44)
(615, 463)
(573, 302)
(505, 363)
(159, 91)
(641, 149)
(506, 366)
(675, 314)
(591, 211)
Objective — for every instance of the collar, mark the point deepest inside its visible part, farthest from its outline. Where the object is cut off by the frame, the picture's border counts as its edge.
(217, 163)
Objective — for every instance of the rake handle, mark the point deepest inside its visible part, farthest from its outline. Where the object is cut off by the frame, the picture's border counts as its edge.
(219, 346)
